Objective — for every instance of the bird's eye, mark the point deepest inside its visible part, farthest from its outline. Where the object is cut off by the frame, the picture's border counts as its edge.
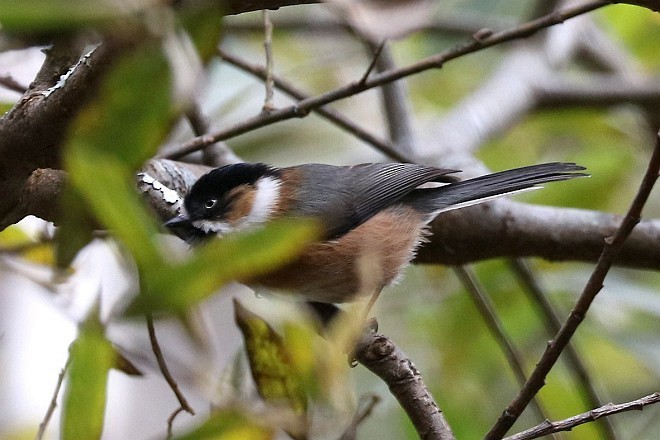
(210, 203)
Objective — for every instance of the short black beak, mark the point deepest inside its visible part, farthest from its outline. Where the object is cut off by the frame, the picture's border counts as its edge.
(177, 222)
(182, 227)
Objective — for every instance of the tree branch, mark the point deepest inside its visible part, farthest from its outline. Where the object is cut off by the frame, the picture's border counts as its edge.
(504, 228)
(552, 322)
(303, 107)
(379, 354)
(486, 309)
(612, 247)
(549, 427)
(240, 6)
(328, 113)
(33, 131)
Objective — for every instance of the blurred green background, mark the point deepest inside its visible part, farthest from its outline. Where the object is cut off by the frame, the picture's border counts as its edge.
(428, 313)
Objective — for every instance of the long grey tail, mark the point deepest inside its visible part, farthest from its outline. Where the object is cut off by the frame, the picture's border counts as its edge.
(477, 190)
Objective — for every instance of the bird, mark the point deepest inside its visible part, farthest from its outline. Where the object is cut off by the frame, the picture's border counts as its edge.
(373, 216)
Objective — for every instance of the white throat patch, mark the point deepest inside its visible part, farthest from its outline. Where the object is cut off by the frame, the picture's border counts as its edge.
(267, 194)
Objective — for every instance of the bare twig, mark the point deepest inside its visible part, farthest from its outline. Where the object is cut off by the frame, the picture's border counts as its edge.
(213, 154)
(198, 122)
(53, 402)
(8, 82)
(331, 115)
(374, 61)
(548, 427)
(555, 347)
(303, 107)
(383, 358)
(364, 410)
(170, 420)
(268, 48)
(552, 322)
(395, 103)
(487, 310)
(162, 365)
(458, 23)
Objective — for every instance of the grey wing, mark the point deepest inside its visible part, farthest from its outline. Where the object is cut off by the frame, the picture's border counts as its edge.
(345, 197)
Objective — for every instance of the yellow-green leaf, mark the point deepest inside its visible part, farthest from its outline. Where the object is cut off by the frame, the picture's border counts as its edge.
(110, 138)
(75, 227)
(270, 362)
(229, 425)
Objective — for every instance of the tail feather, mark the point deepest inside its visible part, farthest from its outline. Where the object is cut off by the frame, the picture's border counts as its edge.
(483, 188)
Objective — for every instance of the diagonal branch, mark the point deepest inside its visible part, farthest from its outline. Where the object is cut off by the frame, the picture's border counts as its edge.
(611, 249)
(610, 409)
(302, 108)
(486, 309)
(330, 114)
(552, 322)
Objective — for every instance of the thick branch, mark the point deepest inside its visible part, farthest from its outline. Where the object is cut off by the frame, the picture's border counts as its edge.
(34, 130)
(599, 91)
(506, 228)
(383, 358)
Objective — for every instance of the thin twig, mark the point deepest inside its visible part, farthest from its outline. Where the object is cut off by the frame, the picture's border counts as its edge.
(170, 421)
(331, 115)
(374, 61)
(8, 82)
(611, 249)
(364, 410)
(198, 122)
(394, 97)
(53, 402)
(552, 322)
(302, 108)
(486, 308)
(184, 406)
(200, 126)
(548, 427)
(268, 48)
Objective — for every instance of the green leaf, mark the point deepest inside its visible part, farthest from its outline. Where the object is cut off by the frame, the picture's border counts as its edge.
(48, 15)
(203, 22)
(75, 227)
(133, 111)
(91, 357)
(106, 186)
(109, 140)
(270, 361)
(240, 256)
(229, 425)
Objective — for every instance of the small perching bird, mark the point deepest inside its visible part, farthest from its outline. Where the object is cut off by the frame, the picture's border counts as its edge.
(373, 216)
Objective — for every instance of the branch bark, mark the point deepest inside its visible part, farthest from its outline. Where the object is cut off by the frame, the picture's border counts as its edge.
(512, 229)
(384, 359)
(610, 409)
(34, 130)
